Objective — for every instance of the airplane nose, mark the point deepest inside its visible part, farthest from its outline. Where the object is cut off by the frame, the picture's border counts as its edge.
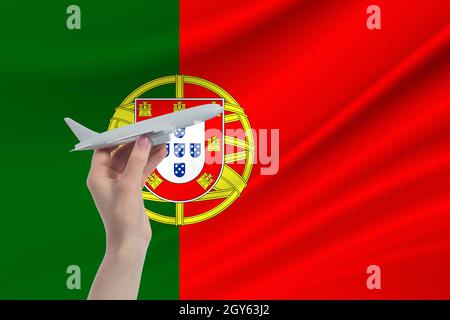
(210, 110)
(217, 109)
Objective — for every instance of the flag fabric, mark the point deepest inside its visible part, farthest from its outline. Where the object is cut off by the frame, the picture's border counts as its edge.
(363, 119)
(364, 150)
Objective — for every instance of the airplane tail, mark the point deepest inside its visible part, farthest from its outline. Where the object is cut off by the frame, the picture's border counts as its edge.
(80, 131)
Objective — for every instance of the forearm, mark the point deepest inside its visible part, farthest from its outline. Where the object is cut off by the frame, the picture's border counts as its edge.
(115, 181)
(119, 274)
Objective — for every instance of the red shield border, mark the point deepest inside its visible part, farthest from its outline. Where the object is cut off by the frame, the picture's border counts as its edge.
(210, 174)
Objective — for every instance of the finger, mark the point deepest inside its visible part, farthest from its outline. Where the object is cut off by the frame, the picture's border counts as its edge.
(120, 157)
(100, 161)
(137, 160)
(156, 156)
(157, 149)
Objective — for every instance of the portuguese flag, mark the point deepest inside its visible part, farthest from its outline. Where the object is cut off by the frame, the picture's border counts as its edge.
(357, 171)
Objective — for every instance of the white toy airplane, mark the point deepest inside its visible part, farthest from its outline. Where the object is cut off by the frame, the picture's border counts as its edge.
(158, 129)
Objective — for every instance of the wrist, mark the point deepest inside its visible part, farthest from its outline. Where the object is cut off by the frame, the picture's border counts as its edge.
(128, 249)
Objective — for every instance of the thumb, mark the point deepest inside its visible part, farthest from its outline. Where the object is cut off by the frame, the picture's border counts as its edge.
(137, 160)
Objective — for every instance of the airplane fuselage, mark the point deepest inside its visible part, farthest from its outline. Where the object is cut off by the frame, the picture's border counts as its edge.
(158, 129)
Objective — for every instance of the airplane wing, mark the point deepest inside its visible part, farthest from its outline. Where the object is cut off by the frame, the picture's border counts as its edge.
(160, 138)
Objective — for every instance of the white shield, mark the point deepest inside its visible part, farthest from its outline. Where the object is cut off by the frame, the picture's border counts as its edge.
(180, 165)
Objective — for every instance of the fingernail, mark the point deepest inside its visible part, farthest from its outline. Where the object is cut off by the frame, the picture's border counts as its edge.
(143, 142)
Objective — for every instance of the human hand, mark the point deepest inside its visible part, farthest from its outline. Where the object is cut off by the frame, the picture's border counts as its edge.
(115, 181)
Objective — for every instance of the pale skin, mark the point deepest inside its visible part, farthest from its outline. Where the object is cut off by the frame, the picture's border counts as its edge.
(115, 181)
